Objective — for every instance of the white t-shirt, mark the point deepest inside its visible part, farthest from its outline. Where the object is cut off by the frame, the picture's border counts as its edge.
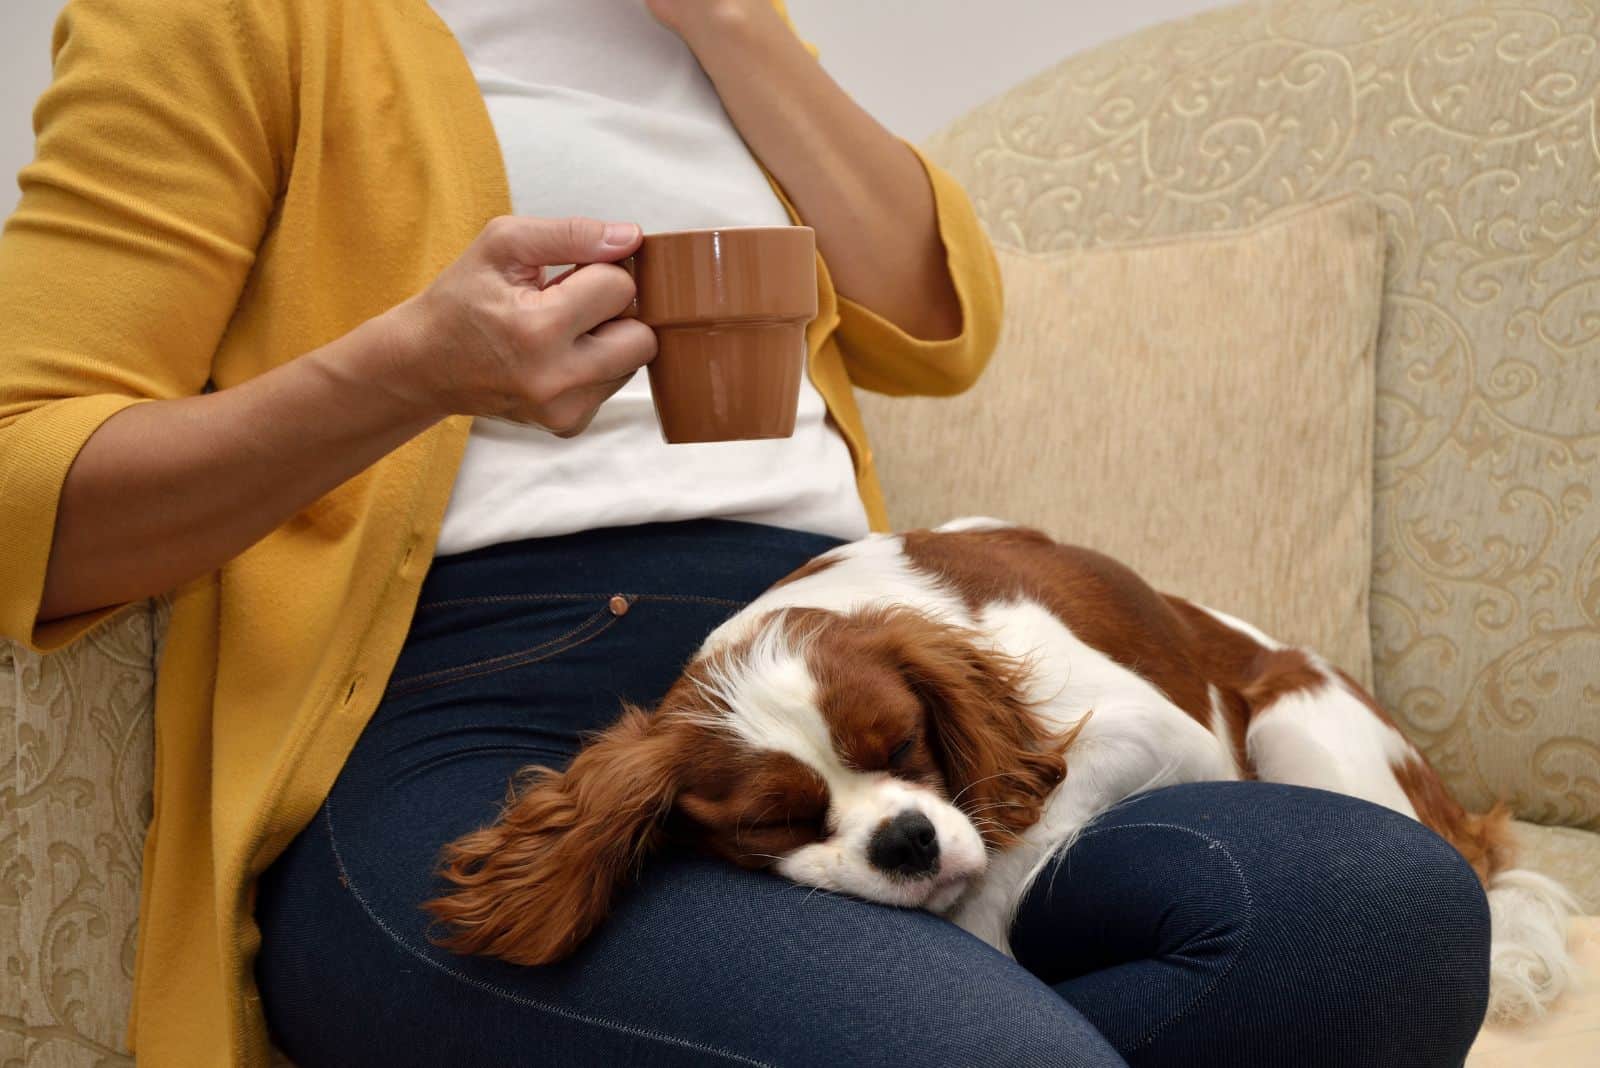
(602, 111)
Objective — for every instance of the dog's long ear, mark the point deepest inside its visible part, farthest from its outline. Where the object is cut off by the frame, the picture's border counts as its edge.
(1000, 762)
(533, 885)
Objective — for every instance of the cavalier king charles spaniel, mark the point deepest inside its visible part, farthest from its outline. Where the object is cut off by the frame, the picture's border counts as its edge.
(926, 719)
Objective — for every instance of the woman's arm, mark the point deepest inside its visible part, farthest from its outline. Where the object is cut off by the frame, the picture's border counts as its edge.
(194, 481)
(120, 272)
(861, 188)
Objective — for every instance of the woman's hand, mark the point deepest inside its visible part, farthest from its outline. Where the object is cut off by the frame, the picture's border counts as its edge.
(491, 337)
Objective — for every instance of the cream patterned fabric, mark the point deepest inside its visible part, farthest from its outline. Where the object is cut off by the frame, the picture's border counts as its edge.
(75, 749)
(1474, 127)
(1571, 855)
(1199, 408)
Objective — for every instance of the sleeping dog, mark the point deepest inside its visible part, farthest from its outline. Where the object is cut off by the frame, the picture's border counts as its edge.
(926, 719)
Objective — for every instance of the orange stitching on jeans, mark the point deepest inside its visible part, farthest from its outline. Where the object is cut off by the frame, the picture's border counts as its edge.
(516, 598)
(688, 598)
(506, 661)
(512, 598)
(523, 657)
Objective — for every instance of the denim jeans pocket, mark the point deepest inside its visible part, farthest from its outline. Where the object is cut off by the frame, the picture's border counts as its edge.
(452, 641)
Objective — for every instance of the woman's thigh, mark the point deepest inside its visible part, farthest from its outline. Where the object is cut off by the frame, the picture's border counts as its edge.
(699, 964)
(1287, 926)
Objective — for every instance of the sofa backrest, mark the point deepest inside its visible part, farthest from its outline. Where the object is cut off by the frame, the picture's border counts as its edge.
(1473, 125)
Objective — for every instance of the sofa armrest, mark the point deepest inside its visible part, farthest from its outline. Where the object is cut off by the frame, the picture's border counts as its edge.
(76, 737)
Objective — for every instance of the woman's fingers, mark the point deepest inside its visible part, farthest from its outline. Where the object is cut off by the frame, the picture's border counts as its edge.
(519, 244)
(589, 401)
(571, 414)
(582, 300)
(614, 349)
(493, 337)
(594, 367)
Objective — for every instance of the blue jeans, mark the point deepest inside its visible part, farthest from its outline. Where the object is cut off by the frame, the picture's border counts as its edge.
(1217, 923)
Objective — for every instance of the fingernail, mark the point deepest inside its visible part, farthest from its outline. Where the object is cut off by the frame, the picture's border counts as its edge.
(619, 235)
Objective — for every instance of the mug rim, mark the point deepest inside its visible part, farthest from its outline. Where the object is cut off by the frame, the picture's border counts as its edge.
(695, 231)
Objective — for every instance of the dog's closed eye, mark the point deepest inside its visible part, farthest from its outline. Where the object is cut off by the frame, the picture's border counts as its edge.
(786, 821)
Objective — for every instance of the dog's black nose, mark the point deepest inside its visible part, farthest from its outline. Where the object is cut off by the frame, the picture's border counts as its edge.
(906, 845)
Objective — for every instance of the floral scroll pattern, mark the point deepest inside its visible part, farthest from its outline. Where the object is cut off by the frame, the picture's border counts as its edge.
(1474, 126)
(76, 755)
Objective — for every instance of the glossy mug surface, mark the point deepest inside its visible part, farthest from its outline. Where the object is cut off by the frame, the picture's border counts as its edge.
(729, 308)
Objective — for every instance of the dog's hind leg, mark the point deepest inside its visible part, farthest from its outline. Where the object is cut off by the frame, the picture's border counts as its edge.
(1295, 719)
(1335, 736)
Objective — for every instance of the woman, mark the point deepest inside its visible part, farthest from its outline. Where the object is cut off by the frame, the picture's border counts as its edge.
(264, 271)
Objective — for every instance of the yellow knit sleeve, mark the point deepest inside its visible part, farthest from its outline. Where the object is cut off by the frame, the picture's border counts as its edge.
(885, 359)
(159, 152)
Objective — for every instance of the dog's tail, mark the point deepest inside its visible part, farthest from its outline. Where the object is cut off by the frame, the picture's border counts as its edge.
(1529, 913)
(1529, 965)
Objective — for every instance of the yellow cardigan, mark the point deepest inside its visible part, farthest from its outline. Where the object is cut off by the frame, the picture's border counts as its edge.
(220, 186)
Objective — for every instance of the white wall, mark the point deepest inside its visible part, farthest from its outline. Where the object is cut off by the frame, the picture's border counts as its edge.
(24, 72)
(915, 64)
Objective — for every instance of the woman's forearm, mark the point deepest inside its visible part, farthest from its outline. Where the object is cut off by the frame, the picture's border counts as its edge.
(166, 491)
(861, 188)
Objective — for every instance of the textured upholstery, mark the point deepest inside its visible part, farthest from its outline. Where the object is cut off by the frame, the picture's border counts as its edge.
(1474, 127)
(1571, 855)
(75, 773)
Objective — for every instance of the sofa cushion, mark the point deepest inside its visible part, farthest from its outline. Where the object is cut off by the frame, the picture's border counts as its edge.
(1474, 127)
(1198, 408)
(1566, 854)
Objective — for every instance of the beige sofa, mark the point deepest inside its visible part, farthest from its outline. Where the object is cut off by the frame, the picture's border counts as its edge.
(1473, 125)
(1474, 128)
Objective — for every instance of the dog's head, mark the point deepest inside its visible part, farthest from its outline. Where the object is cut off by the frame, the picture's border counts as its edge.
(880, 753)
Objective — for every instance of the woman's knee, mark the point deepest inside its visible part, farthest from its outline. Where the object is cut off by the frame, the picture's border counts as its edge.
(1355, 930)
(1401, 920)
(1376, 917)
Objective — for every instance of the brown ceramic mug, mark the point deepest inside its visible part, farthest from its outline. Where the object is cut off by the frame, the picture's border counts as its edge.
(729, 308)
